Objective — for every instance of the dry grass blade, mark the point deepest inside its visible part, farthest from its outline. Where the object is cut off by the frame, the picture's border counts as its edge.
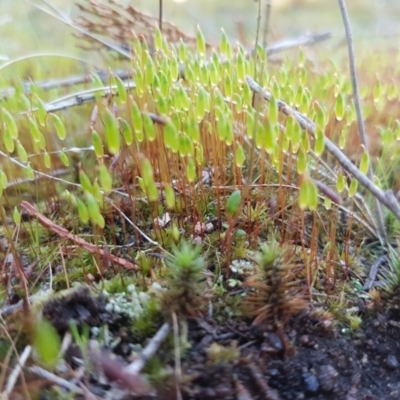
(16, 371)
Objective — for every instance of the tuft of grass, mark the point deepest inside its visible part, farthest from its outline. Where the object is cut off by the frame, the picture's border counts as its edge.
(276, 294)
(390, 278)
(187, 288)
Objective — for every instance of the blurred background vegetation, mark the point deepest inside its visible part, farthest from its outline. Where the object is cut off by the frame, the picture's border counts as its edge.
(24, 28)
(27, 30)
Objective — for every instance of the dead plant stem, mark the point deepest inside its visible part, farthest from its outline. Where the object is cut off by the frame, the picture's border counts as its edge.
(154, 344)
(379, 220)
(387, 198)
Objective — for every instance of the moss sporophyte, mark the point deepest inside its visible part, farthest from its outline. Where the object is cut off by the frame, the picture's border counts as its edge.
(195, 205)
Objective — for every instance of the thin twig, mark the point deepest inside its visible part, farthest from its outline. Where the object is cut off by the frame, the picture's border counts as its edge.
(68, 22)
(266, 22)
(305, 40)
(65, 82)
(160, 14)
(129, 221)
(360, 120)
(154, 344)
(36, 55)
(269, 394)
(12, 379)
(373, 272)
(8, 310)
(387, 197)
(55, 379)
(65, 234)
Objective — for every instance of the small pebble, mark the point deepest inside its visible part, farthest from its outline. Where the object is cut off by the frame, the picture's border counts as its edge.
(273, 372)
(311, 382)
(304, 340)
(327, 377)
(275, 341)
(199, 228)
(392, 362)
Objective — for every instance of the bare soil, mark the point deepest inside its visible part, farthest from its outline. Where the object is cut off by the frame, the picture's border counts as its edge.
(304, 360)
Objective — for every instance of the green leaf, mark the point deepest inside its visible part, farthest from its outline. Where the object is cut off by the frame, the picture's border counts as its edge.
(327, 203)
(85, 181)
(319, 145)
(191, 170)
(147, 173)
(137, 121)
(301, 161)
(83, 212)
(30, 173)
(171, 136)
(353, 187)
(241, 67)
(8, 140)
(34, 130)
(202, 104)
(169, 196)
(199, 154)
(342, 140)
(97, 144)
(16, 216)
(41, 110)
(313, 196)
(64, 159)
(339, 107)
(201, 43)
(224, 45)
(121, 89)
(149, 72)
(214, 74)
(158, 39)
(228, 87)
(47, 160)
(273, 111)
(126, 132)
(94, 210)
(182, 51)
(304, 195)
(233, 203)
(270, 136)
(111, 132)
(58, 124)
(105, 178)
(149, 127)
(152, 192)
(240, 156)
(364, 162)
(22, 154)
(3, 180)
(341, 182)
(46, 342)
(9, 120)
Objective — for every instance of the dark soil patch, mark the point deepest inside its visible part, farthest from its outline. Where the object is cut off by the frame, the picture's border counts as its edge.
(234, 360)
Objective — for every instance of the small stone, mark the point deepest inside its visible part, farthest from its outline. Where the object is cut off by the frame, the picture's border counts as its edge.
(199, 228)
(275, 341)
(304, 340)
(311, 382)
(327, 377)
(392, 362)
(209, 227)
(274, 372)
(197, 240)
